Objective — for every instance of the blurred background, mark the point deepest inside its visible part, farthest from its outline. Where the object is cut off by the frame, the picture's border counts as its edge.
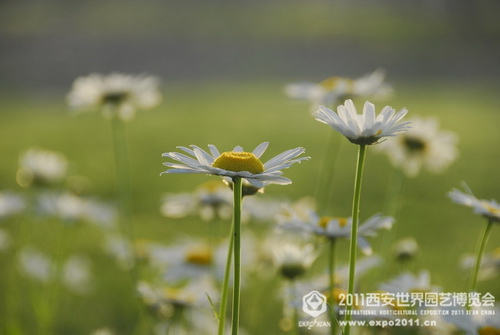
(46, 44)
(223, 67)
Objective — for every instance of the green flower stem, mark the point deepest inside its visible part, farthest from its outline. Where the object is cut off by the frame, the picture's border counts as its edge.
(331, 278)
(237, 254)
(480, 253)
(225, 284)
(354, 231)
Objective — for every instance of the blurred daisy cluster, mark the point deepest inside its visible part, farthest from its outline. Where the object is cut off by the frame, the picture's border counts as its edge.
(291, 245)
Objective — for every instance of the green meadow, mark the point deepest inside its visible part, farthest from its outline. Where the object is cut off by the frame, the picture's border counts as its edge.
(243, 113)
(223, 68)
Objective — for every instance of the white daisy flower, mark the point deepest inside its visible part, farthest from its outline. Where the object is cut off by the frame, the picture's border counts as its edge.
(121, 249)
(423, 146)
(372, 85)
(103, 331)
(193, 259)
(408, 282)
(76, 274)
(36, 265)
(335, 227)
(262, 209)
(477, 321)
(487, 208)
(405, 249)
(327, 92)
(210, 200)
(41, 166)
(114, 94)
(10, 204)
(490, 264)
(364, 129)
(71, 207)
(236, 163)
(162, 299)
(363, 266)
(292, 259)
(65, 205)
(330, 91)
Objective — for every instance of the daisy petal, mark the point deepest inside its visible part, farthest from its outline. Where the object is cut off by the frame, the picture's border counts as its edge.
(261, 148)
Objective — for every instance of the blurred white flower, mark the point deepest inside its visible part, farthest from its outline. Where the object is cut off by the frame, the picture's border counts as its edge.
(332, 90)
(328, 92)
(422, 146)
(214, 199)
(408, 282)
(40, 166)
(64, 205)
(292, 259)
(366, 128)
(405, 249)
(236, 163)
(319, 283)
(334, 227)
(71, 207)
(182, 306)
(190, 258)
(477, 321)
(35, 264)
(183, 261)
(100, 213)
(103, 331)
(261, 208)
(76, 274)
(210, 200)
(10, 204)
(490, 264)
(372, 86)
(115, 94)
(490, 209)
(120, 249)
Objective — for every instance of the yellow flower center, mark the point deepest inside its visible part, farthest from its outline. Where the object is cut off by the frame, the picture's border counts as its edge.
(335, 294)
(239, 161)
(199, 255)
(488, 330)
(178, 295)
(332, 83)
(491, 209)
(211, 186)
(342, 222)
(324, 220)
